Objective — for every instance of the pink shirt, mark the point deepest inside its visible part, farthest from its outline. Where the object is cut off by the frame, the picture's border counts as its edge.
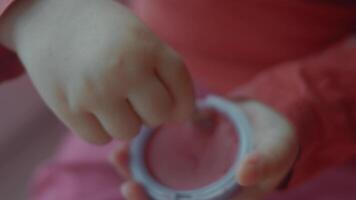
(294, 55)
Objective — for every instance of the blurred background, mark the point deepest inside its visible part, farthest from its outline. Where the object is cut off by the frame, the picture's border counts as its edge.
(29, 134)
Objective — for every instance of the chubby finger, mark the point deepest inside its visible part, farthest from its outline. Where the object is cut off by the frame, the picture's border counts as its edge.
(173, 73)
(275, 147)
(118, 118)
(265, 166)
(120, 159)
(87, 126)
(133, 191)
(151, 101)
(83, 122)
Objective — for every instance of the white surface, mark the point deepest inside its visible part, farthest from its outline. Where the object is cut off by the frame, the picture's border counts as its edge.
(28, 135)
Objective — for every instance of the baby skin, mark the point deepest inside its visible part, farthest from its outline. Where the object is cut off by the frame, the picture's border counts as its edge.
(105, 74)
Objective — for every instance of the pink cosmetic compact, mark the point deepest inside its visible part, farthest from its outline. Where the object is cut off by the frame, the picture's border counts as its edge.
(177, 161)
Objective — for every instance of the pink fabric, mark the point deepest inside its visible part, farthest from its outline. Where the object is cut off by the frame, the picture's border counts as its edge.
(79, 171)
(333, 184)
(225, 45)
(10, 65)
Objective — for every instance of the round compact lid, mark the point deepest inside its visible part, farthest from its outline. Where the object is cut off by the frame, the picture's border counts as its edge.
(220, 189)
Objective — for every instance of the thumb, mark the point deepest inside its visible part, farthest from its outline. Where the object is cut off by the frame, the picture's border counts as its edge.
(275, 147)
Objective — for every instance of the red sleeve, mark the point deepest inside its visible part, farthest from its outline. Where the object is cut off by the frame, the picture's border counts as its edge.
(10, 65)
(318, 95)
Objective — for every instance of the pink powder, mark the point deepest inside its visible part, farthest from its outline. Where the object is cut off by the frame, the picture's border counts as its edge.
(184, 158)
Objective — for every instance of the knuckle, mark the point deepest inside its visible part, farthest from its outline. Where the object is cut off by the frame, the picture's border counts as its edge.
(134, 70)
(81, 97)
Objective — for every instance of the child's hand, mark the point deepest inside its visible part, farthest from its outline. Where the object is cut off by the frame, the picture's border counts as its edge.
(275, 150)
(99, 68)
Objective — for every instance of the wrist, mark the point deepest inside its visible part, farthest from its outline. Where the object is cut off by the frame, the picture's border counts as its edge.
(16, 21)
(8, 23)
(29, 21)
(35, 25)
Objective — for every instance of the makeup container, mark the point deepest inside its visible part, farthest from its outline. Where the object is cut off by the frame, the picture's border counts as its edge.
(186, 166)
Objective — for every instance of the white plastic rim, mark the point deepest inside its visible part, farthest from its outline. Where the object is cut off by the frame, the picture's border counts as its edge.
(220, 189)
